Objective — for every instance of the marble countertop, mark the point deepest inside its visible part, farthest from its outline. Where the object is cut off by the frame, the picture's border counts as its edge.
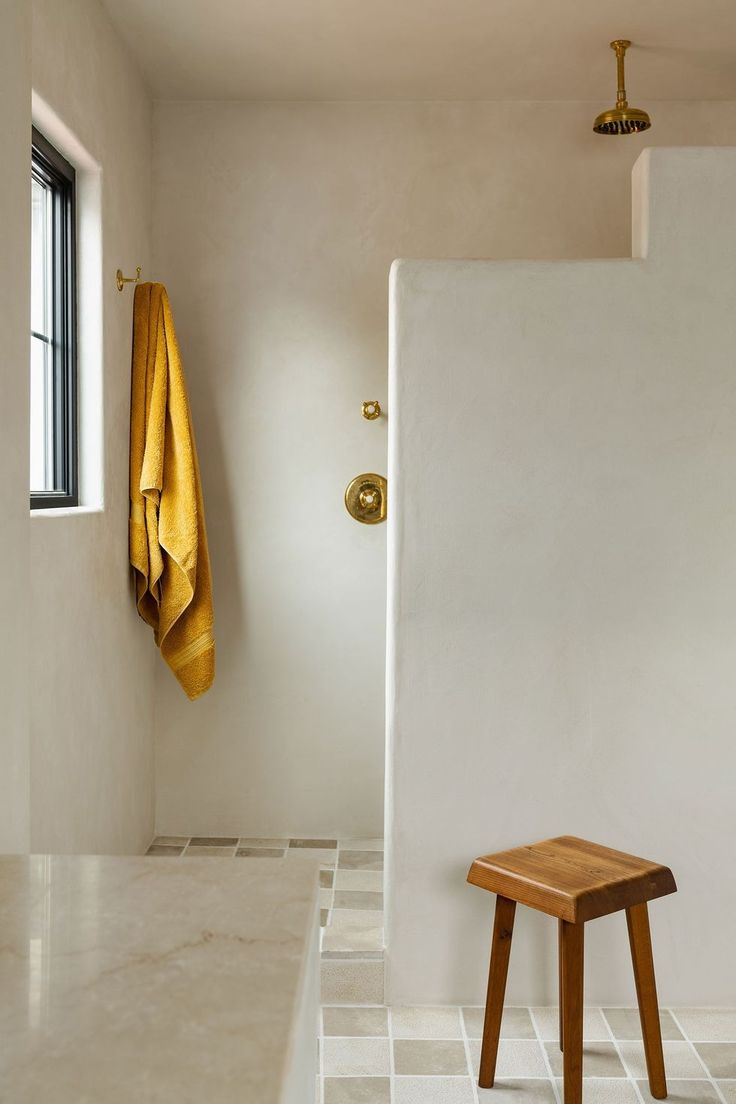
(146, 979)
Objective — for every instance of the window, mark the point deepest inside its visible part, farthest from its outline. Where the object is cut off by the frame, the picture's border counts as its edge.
(53, 352)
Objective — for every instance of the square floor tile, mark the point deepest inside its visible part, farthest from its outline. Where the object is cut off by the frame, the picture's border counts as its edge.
(213, 841)
(314, 844)
(362, 844)
(326, 878)
(278, 844)
(360, 860)
(518, 1091)
(679, 1060)
(433, 1090)
(357, 1090)
(683, 1092)
(164, 849)
(352, 982)
(354, 931)
(548, 1024)
(625, 1023)
(358, 899)
(354, 1022)
(603, 1090)
(728, 1089)
(354, 1056)
(516, 1059)
(720, 1058)
(425, 1023)
(326, 858)
(599, 1060)
(212, 852)
(369, 881)
(325, 898)
(258, 853)
(172, 841)
(516, 1023)
(417, 1057)
(709, 1025)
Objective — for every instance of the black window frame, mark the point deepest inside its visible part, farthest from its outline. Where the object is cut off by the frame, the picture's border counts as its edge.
(55, 172)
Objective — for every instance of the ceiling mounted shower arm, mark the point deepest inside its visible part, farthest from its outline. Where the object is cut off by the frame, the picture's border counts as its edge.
(620, 46)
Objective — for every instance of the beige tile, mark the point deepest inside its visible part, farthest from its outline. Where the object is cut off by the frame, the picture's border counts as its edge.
(518, 1091)
(683, 1092)
(516, 1023)
(354, 931)
(425, 1023)
(209, 852)
(172, 841)
(324, 917)
(605, 1090)
(164, 850)
(357, 899)
(548, 1024)
(709, 1025)
(625, 1023)
(314, 844)
(326, 878)
(416, 1057)
(720, 1058)
(325, 858)
(350, 982)
(679, 1060)
(325, 898)
(516, 1058)
(372, 956)
(353, 1057)
(728, 1090)
(354, 1022)
(357, 1090)
(279, 844)
(258, 853)
(433, 1090)
(369, 881)
(360, 860)
(361, 845)
(599, 1060)
(213, 841)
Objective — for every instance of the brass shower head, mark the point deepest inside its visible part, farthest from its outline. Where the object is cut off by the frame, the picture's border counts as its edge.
(621, 119)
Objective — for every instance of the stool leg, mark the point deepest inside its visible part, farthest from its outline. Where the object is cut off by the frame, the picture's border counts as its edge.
(640, 940)
(503, 929)
(559, 987)
(572, 1011)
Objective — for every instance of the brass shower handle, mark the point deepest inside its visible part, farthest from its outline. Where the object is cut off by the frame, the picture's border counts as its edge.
(365, 498)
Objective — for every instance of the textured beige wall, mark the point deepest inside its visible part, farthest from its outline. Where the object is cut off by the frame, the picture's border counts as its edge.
(15, 123)
(274, 228)
(91, 658)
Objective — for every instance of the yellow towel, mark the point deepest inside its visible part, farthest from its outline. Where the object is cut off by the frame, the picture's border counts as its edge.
(168, 541)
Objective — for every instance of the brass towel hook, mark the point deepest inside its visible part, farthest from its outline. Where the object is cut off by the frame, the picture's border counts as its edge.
(121, 280)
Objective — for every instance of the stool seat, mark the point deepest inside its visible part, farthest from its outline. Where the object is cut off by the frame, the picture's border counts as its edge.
(571, 878)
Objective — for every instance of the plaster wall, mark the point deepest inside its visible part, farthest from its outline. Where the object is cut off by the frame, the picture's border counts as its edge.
(275, 225)
(563, 592)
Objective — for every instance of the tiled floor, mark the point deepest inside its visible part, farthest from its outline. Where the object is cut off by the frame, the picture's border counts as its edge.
(370, 1054)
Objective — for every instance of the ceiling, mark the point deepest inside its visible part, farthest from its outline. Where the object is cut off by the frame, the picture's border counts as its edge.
(430, 49)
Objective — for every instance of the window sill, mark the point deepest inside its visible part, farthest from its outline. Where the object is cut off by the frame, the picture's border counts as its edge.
(67, 511)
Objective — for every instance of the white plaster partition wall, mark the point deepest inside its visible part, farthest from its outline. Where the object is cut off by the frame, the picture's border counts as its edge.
(275, 225)
(15, 123)
(92, 659)
(562, 615)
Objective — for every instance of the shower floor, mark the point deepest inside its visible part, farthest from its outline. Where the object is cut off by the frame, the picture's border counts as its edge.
(372, 1054)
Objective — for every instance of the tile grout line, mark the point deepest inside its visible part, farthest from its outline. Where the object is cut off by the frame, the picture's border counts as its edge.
(391, 1063)
(468, 1057)
(545, 1055)
(629, 1075)
(691, 1044)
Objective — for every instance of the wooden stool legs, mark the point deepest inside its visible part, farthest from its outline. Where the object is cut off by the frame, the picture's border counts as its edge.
(640, 940)
(503, 930)
(571, 1001)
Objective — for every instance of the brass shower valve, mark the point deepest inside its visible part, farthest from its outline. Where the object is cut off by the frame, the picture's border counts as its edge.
(371, 409)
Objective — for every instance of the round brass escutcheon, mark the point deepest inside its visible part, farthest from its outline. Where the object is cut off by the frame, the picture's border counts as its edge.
(365, 498)
(371, 409)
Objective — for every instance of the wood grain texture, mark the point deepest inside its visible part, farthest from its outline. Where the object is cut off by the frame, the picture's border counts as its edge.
(572, 1011)
(640, 940)
(503, 930)
(571, 878)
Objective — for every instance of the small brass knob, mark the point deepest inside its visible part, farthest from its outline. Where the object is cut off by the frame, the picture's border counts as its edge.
(371, 409)
(365, 498)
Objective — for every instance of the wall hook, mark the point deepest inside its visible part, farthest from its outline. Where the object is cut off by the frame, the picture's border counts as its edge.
(121, 280)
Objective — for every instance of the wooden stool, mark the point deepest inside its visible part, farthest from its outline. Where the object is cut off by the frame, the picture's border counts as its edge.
(575, 881)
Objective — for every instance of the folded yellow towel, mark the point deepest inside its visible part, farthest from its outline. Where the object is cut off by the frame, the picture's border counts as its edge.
(168, 540)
